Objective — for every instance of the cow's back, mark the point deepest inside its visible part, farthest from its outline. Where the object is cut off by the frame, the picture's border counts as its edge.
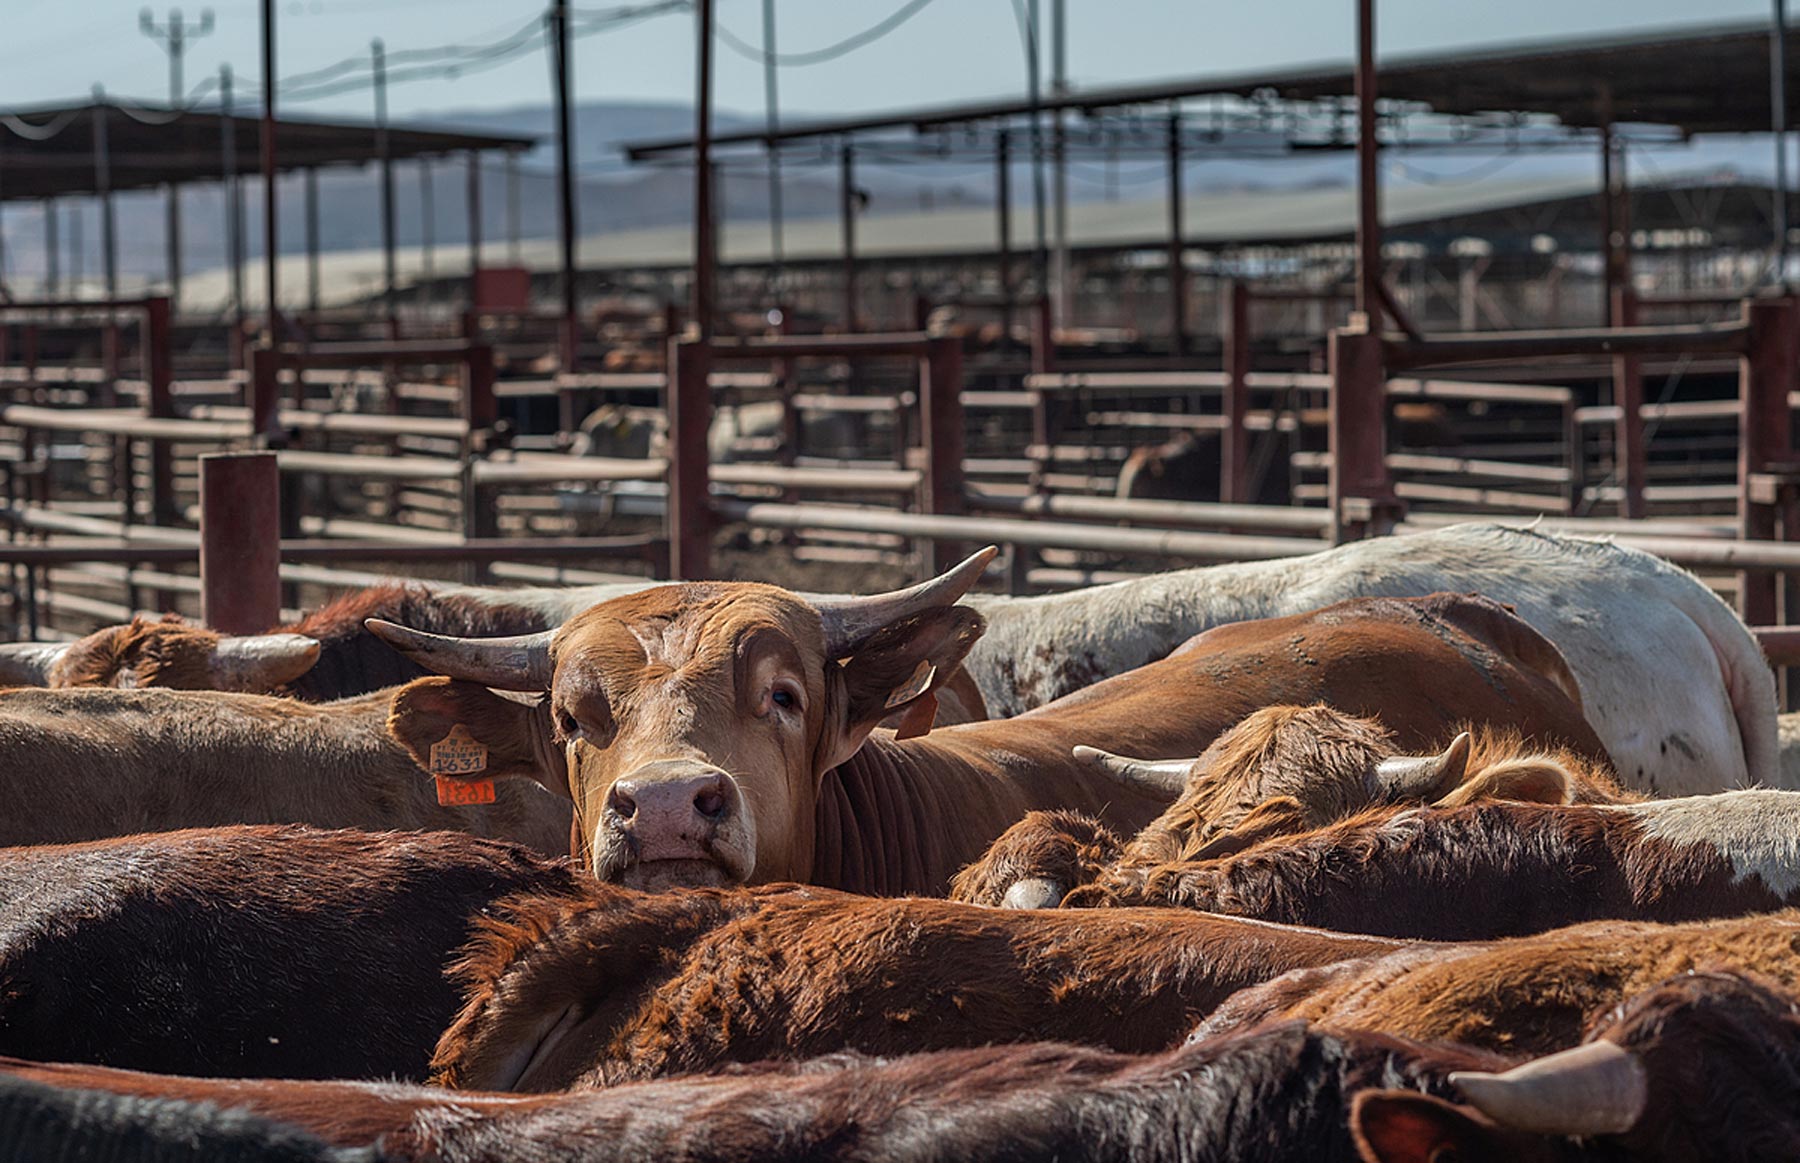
(250, 951)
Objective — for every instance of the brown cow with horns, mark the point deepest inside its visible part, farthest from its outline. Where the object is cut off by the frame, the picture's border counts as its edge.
(720, 732)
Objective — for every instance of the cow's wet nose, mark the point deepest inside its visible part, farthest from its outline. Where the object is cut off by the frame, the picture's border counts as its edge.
(672, 810)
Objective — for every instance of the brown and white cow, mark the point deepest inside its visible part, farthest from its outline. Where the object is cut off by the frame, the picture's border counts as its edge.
(1411, 872)
(1280, 771)
(721, 732)
(88, 764)
(258, 951)
(1701, 1066)
(1522, 995)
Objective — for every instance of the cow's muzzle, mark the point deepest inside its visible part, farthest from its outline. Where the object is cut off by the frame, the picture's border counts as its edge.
(675, 823)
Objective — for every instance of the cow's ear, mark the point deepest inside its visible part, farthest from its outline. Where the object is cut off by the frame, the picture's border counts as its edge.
(897, 671)
(478, 734)
(1403, 1126)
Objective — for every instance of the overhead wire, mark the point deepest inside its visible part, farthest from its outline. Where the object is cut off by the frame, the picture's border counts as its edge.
(830, 52)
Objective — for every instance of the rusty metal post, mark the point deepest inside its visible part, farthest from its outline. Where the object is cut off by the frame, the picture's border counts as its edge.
(310, 192)
(265, 393)
(479, 406)
(1234, 440)
(271, 224)
(847, 208)
(1361, 491)
(1003, 260)
(1177, 248)
(472, 204)
(240, 542)
(1767, 472)
(689, 406)
(159, 376)
(52, 250)
(390, 277)
(941, 424)
(1368, 171)
(1630, 456)
(234, 213)
(705, 224)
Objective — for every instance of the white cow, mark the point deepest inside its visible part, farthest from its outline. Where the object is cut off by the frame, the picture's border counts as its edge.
(1671, 679)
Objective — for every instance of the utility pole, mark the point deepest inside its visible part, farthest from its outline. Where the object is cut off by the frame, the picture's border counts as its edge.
(774, 124)
(390, 278)
(1059, 89)
(1040, 256)
(173, 35)
(569, 345)
(1778, 126)
(234, 207)
(271, 222)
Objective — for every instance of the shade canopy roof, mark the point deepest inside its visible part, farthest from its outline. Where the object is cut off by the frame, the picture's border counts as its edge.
(49, 151)
(1712, 79)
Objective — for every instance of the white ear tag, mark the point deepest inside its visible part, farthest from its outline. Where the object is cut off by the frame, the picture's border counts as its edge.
(915, 686)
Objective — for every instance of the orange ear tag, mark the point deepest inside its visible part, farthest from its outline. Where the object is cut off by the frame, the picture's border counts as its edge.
(915, 686)
(459, 754)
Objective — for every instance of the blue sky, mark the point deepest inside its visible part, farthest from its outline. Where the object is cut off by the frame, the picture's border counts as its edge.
(952, 50)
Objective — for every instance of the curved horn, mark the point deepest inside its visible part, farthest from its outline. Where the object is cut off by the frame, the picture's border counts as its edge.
(29, 663)
(1596, 1089)
(519, 663)
(262, 662)
(1424, 777)
(1034, 892)
(849, 622)
(1165, 777)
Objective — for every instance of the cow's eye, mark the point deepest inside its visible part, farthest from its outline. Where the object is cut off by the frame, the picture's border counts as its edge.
(784, 699)
(566, 725)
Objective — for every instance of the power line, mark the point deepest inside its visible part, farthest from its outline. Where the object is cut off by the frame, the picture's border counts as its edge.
(817, 56)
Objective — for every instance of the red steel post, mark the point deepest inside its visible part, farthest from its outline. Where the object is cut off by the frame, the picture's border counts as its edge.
(1630, 455)
(240, 542)
(479, 407)
(265, 392)
(159, 376)
(940, 403)
(689, 405)
(1234, 441)
(1361, 491)
(1368, 173)
(1765, 439)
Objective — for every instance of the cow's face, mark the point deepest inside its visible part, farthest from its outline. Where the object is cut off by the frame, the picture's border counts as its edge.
(691, 723)
(166, 652)
(1284, 768)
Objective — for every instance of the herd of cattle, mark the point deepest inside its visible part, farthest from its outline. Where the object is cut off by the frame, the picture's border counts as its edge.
(1473, 844)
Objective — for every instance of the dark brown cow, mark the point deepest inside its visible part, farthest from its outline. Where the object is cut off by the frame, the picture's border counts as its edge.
(1412, 872)
(715, 732)
(272, 951)
(622, 985)
(1270, 1097)
(1702, 1066)
(87, 764)
(1526, 995)
(1281, 771)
